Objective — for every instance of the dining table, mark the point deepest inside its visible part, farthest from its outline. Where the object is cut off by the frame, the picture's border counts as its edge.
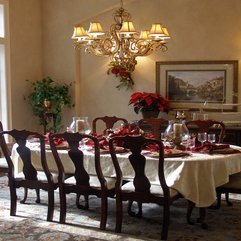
(194, 175)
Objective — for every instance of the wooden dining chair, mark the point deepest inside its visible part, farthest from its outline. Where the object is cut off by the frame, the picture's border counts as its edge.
(196, 126)
(29, 177)
(154, 125)
(109, 122)
(233, 186)
(140, 189)
(207, 126)
(83, 182)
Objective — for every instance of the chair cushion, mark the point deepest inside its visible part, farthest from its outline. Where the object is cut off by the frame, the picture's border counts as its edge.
(94, 181)
(234, 181)
(155, 189)
(41, 176)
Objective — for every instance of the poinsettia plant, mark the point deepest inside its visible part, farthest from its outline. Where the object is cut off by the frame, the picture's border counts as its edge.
(143, 101)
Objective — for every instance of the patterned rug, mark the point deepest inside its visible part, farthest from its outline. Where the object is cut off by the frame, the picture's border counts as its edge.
(30, 223)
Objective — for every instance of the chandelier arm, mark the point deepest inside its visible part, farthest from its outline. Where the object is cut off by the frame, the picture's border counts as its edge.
(141, 48)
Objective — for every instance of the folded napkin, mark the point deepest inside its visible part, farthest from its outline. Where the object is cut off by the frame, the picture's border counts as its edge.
(152, 148)
(104, 144)
(216, 149)
(57, 141)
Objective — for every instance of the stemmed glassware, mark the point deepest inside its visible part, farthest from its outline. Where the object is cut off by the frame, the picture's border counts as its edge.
(202, 137)
(191, 143)
(212, 138)
(81, 125)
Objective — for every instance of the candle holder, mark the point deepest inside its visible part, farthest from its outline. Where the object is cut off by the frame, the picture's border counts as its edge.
(181, 114)
(176, 140)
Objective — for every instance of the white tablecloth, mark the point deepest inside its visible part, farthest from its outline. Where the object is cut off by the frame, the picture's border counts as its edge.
(195, 177)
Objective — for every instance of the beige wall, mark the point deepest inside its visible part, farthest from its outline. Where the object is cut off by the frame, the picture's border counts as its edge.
(200, 30)
(25, 56)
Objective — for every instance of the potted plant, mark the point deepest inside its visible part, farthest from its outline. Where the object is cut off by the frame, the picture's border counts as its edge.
(48, 96)
(150, 104)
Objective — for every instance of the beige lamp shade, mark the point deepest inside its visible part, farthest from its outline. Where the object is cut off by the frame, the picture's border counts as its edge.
(127, 28)
(95, 29)
(167, 36)
(156, 30)
(145, 35)
(79, 33)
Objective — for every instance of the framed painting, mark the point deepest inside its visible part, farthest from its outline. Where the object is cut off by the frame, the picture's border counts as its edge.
(208, 85)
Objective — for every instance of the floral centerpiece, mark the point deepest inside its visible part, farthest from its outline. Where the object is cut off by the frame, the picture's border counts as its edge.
(144, 102)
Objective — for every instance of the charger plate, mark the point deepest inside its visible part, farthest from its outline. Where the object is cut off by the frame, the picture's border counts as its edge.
(176, 153)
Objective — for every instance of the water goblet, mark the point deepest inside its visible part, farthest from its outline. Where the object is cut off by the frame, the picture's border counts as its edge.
(202, 137)
(190, 143)
(212, 138)
(184, 140)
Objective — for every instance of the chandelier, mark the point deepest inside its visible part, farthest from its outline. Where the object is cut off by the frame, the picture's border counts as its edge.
(122, 43)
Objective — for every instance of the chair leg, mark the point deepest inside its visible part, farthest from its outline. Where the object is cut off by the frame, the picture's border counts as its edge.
(139, 214)
(77, 201)
(119, 213)
(201, 219)
(227, 199)
(62, 197)
(165, 224)
(80, 206)
(218, 205)
(86, 207)
(202, 213)
(50, 205)
(13, 205)
(190, 207)
(25, 195)
(38, 195)
(134, 214)
(104, 208)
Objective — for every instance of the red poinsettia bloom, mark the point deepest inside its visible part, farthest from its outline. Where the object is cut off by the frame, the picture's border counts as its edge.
(149, 101)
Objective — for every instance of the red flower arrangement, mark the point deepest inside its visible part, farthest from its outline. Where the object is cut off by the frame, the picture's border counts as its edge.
(149, 102)
(124, 76)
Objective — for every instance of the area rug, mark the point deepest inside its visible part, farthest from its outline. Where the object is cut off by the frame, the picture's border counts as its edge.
(30, 223)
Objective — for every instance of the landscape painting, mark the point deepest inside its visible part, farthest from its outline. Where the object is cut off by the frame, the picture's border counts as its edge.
(196, 86)
(199, 85)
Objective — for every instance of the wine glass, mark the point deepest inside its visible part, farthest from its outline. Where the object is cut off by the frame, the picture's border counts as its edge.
(83, 127)
(202, 137)
(212, 138)
(190, 143)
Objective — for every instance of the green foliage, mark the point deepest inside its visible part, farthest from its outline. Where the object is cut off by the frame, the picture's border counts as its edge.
(58, 94)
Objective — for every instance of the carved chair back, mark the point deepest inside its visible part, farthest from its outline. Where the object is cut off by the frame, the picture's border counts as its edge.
(30, 175)
(109, 122)
(207, 126)
(154, 124)
(83, 181)
(140, 189)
